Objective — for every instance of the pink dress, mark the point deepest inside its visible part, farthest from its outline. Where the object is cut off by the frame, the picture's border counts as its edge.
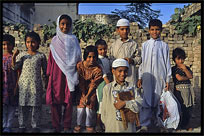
(57, 89)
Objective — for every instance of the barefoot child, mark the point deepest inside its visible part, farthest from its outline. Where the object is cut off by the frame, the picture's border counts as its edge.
(90, 76)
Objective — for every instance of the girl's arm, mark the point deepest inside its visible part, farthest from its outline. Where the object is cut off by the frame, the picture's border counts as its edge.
(94, 82)
(16, 52)
(186, 71)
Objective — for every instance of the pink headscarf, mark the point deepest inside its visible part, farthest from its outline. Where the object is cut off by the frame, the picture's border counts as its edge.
(66, 53)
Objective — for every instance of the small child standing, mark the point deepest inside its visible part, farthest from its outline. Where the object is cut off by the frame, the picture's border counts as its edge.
(110, 114)
(9, 83)
(127, 49)
(154, 74)
(90, 76)
(30, 82)
(182, 86)
(107, 76)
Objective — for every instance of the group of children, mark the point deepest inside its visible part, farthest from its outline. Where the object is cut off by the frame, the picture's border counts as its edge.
(96, 82)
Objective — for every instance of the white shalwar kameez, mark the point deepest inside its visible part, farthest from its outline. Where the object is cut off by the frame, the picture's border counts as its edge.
(155, 71)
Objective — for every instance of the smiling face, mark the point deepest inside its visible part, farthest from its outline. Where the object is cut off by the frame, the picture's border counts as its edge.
(65, 25)
(7, 47)
(91, 59)
(31, 44)
(123, 31)
(102, 50)
(120, 74)
(155, 32)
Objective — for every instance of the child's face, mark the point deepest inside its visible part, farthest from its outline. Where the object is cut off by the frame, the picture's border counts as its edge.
(179, 60)
(65, 26)
(31, 44)
(123, 31)
(155, 32)
(120, 74)
(7, 46)
(102, 50)
(91, 59)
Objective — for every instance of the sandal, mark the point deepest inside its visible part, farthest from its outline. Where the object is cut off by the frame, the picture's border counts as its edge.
(77, 129)
(90, 130)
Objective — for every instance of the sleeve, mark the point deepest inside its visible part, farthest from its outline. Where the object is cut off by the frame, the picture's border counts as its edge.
(104, 104)
(136, 56)
(134, 105)
(111, 56)
(189, 70)
(140, 70)
(19, 62)
(44, 64)
(168, 65)
(49, 64)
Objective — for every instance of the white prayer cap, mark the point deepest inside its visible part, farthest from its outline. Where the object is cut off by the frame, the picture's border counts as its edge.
(120, 63)
(123, 22)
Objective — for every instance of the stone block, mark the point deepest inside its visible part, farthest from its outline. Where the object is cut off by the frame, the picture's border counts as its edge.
(179, 41)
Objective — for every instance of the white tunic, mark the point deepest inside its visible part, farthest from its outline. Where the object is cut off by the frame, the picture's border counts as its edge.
(155, 70)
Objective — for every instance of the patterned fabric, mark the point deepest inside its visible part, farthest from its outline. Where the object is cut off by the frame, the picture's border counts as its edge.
(30, 81)
(127, 49)
(108, 111)
(9, 81)
(88, 77)
(176, 70)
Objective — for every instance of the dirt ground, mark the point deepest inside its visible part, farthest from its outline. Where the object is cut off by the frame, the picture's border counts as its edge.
(46, 123)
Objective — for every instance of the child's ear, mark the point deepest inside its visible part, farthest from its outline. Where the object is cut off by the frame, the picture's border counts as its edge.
(113, 71)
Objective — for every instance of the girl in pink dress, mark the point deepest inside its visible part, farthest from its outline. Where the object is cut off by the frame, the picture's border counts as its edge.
(64, 54)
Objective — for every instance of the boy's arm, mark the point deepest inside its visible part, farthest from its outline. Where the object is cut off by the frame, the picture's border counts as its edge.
(168, 66)
(134, 105)
(136, 56)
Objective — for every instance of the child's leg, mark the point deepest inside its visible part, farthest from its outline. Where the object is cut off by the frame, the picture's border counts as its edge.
(23, 115)
(145, 116)
(11, 114)
(56, 113)
(67, 117)
(5, 115)
(36, 113)
(90, 117)
(80, 113)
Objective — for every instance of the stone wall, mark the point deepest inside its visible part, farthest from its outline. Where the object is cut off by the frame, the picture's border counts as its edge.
(191, 45)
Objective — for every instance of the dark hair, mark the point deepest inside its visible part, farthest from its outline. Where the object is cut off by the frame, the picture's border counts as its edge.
(155, 22)
(64, 16)
(178, 52)
(88, 49)
(33, 35)
(100, 42)
(10, 38)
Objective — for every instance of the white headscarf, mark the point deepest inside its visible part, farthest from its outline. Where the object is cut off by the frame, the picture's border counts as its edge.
(66, 53)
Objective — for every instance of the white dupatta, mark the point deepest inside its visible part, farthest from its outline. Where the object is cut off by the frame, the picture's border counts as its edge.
(66, 53)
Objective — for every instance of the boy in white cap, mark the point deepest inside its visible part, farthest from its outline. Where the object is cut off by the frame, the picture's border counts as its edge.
(112, 104)
(127, 49)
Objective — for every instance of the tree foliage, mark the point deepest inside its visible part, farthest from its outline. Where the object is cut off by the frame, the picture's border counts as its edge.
(189, 25)
(138, 12)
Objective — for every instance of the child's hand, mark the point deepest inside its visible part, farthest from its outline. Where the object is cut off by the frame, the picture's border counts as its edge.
(15, 53)
(129, 60)
(139, 83)
(119, 104)
(167, 87)
(182, 66)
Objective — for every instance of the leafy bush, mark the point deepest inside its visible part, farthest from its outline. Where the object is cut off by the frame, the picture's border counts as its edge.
(189, 25)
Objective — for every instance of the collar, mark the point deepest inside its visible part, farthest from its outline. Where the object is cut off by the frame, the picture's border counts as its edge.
(100, 57)
(158, 39)
(124, 41)
(116, 84)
